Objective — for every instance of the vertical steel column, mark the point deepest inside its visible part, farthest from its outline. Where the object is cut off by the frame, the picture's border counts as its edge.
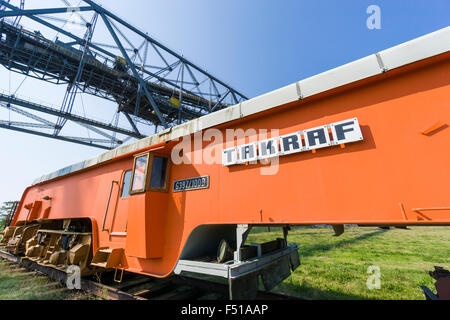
(70, 96)
(133, 69)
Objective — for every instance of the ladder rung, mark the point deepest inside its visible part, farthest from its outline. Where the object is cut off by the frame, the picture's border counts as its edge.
(99, 264)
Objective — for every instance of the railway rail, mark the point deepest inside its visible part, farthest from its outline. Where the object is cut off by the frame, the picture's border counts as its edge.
(137, 287)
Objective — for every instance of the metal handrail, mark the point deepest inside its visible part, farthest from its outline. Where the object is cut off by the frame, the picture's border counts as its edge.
(107, 205)
(11, 214)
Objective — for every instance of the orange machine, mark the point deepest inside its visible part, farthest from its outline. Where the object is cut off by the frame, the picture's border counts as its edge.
(366, 143)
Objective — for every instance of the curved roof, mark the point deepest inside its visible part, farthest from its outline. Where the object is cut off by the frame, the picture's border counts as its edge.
(409, 52)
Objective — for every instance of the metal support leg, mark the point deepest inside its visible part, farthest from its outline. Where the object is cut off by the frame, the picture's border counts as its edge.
(286, 230)
(242, 232)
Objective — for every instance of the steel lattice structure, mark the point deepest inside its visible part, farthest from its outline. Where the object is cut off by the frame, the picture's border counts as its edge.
(149, 82)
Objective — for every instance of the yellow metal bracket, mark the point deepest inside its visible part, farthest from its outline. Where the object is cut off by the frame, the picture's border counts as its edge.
(121, 275)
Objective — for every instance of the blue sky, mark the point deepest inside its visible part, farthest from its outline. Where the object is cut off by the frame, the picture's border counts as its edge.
(256, 46)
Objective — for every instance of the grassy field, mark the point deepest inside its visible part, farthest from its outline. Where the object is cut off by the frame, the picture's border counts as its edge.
(332, 268)
(336, 267)
(18, 285)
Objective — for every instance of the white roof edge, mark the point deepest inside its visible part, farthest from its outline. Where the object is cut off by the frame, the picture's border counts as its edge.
(424, 47)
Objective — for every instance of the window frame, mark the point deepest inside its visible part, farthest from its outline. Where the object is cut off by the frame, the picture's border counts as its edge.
(165, 189)
(122, 185)
(146, 178)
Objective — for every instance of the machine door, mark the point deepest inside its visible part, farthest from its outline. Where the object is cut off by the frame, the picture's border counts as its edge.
(147, 206)
(120, 220)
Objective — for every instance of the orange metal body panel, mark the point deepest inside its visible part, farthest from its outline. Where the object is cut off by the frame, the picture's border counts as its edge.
(397, 175)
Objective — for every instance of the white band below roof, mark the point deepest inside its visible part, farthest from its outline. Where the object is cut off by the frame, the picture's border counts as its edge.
(412, 51)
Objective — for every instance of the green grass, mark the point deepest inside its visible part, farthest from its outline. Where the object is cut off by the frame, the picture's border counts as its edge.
(332, 268)
(336, 267)
(17, 285)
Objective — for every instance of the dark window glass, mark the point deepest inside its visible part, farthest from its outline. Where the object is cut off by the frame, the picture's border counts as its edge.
(159, 172)
(126, 185)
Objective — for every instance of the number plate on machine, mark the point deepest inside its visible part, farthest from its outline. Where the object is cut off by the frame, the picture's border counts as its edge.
(191, 184)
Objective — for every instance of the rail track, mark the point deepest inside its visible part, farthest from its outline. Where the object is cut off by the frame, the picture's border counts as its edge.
(134, 286)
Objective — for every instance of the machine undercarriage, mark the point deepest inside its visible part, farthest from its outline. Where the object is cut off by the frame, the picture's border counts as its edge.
(61, 244)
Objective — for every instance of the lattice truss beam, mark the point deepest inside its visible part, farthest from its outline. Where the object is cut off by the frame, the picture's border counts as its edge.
(95, 52)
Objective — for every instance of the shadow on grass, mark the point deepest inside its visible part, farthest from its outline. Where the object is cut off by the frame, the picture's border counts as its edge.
(306, 251)
(309, 292)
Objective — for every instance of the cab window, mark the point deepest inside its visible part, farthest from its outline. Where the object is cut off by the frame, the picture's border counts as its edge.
(139, 174)
(158, 179)
(126, 184)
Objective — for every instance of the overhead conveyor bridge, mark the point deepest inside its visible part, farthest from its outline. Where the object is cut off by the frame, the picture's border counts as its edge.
(32, 54)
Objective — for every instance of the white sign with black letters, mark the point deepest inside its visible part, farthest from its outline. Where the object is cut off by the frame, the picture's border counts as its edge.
(342, 132)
